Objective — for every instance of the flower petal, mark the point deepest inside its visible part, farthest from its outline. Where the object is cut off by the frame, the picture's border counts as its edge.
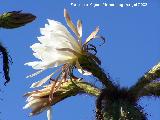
(70, 23)
(32, 103)
(84, 72)
(55, 29)
(41, 82)
(79, 27)
(35, 74)
(92, 35)
(37, 65)
(49, 113)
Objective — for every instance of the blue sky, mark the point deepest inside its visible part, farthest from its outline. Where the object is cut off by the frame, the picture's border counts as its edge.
(131, 49)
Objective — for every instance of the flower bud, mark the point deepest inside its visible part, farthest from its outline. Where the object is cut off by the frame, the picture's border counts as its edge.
(15, 19)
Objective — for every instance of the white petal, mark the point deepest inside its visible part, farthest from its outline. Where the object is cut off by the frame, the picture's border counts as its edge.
(41, 82)
(84, 72)
(32, 103)
(37, 46)
(49, 113)
(42, 65)
(49, 54)
(57, 27)
(58, 40)
(30, 98)
(37, 65)
(35, 74)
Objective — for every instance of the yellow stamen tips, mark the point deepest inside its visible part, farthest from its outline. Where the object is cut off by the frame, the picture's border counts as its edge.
(70, 23)
(92, 35)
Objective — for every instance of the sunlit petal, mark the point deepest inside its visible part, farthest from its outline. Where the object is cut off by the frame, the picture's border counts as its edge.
(41, 82)
(49, 113)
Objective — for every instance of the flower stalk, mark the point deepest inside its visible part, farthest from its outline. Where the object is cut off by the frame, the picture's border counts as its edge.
(92, 66)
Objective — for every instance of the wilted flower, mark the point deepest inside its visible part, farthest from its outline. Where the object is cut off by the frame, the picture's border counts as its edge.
(15, 19)
(38, 100)
(58, 47)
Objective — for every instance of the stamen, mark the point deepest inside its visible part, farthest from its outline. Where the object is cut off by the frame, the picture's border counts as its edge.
(93, 49)
(92, 45)
(101, 38)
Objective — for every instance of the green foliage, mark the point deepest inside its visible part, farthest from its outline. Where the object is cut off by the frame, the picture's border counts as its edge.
(152, 89)
(121, 104)
(146, 81)
(118, 104)
(122, 110)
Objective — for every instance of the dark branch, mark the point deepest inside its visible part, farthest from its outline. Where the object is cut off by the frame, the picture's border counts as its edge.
(6, 60)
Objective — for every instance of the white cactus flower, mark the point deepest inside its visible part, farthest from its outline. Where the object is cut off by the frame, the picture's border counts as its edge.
(54, 38)
(58, 47)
